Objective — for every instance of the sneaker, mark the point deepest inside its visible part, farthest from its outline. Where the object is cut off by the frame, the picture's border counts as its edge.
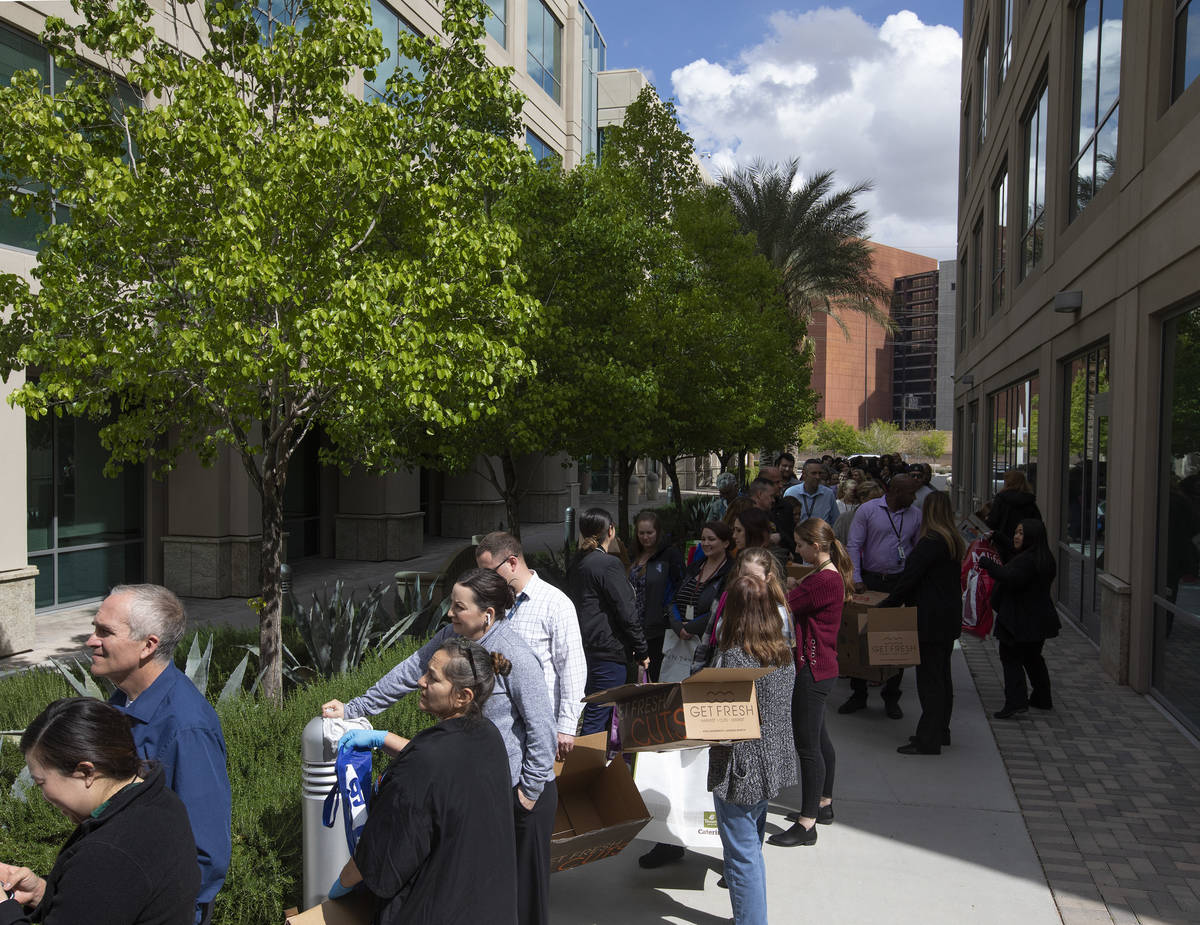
(659, 855)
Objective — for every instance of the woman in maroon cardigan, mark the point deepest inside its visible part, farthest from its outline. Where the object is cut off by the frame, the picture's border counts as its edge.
(816, 603)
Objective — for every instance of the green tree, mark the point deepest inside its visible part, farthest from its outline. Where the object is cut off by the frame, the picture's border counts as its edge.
(837, 437)
(255, 252)
(815, 235)
(881, 437)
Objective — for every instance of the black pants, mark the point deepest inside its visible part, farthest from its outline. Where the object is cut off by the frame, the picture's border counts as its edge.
(878, 581)
(935, 690)
(655, 647)
(817, 757)
(534, 830)
(1020, 659)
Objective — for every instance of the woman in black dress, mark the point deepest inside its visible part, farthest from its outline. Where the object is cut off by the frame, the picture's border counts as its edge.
(434, 846)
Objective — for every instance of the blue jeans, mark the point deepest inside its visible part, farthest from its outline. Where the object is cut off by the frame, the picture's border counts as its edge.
(600, 677)
(742, 829)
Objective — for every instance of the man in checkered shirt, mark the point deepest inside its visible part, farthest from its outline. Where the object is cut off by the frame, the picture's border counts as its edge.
(545, 618)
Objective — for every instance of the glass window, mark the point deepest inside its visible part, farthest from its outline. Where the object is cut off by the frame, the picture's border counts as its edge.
(966, 142)
(594, 54)
(1033, 218)
(1082, 519)
(392, 26)
(999, 242)
(1177, 558)
(540, 149)
(1097, 98)
(1187, 47)
(1006, 39)
(972, 481)
(1014, 431)
(270, 15)
(963, 294)
(977, 279)
(84, 530)
(545, 49)
(496, 21)
(983, 92)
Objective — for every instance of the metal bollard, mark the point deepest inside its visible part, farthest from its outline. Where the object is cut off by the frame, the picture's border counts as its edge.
(325, 851)
(569, 526)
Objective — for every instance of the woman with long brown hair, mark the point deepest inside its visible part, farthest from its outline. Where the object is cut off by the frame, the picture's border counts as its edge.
(745, 776)
(816, 605)
(654, 574)
(930, 581)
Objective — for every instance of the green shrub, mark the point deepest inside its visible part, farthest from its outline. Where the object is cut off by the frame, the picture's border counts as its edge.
(836, 437)
(932, 443)
(881, 437)
(263, 743)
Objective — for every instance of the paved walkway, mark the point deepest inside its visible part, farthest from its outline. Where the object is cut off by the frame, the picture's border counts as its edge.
(1109, 788)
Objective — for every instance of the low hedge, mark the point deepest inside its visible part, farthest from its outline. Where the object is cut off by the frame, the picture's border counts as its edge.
(263, 743)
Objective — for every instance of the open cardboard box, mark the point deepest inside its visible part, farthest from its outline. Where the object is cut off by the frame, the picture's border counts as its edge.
(600, 810)
(892, 636)
(853, 638)
(799, 570)
(713, 705)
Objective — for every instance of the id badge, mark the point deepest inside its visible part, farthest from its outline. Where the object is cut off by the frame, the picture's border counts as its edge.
(900, 553)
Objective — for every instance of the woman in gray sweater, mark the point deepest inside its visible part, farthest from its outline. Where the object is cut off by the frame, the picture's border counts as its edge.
(520, 709)
(745, 776)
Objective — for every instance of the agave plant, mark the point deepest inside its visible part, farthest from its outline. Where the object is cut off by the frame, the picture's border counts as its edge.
(416, 613)
(82, 682)
(337, 629)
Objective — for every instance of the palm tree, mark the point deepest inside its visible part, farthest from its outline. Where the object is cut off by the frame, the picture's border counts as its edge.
(815, 235)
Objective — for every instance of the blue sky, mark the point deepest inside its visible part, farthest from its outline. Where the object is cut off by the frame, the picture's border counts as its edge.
(867, 88)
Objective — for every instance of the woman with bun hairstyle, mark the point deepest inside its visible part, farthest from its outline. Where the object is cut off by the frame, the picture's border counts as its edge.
(428, 850)
(608, 621)
(816, 603)
(930, 582)
(131, 859)
(745, 776)
(519, 707)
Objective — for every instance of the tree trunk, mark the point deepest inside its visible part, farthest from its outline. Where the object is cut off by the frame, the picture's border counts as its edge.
(270, 636)
(671, 464)
(512, 494)
(625, 466)
(741, 468)
(724, 456)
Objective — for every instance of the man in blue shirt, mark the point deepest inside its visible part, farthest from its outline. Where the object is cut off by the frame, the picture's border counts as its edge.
(134, 634)
(816, 499)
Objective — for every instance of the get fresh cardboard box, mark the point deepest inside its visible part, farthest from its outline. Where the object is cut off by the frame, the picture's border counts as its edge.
(713, 705)
(853, 638)
(600, 810)
(355, 909)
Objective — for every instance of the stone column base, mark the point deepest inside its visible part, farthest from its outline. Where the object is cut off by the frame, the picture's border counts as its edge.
(16, 604)
(544, 507)
(1114, 626)
(212, 566)
(468, 518)
(378, 537)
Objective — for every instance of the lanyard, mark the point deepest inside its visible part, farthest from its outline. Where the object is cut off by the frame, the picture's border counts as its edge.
(809, 502)
(887, 511)
(521, 599)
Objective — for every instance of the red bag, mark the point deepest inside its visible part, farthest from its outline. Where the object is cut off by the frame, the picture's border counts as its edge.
(977, 584)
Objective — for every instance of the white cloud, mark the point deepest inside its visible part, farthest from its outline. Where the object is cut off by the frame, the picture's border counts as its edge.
(878, 103)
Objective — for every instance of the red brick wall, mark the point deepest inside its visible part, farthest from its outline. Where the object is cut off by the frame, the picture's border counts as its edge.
(853, 378)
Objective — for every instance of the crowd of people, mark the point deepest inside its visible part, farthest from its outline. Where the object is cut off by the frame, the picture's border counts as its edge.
(461, 823)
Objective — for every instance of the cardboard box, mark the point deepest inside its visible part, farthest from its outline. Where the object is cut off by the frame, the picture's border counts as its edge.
(892, 636)
(713, 705)
(600, 810)
(355, 909)
(853, 645)
(798, 570)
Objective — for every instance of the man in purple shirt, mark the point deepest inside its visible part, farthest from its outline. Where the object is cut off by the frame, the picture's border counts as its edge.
(882, 535)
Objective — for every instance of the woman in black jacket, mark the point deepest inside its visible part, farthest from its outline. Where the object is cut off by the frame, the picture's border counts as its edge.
(654, 574)
(1025, 618)
(702, 583)
(608, 622)
(930, 581)
(131, 859)
(1012, 504)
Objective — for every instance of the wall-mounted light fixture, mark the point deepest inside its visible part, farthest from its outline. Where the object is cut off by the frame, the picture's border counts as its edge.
(1068, 301)
(968, 380)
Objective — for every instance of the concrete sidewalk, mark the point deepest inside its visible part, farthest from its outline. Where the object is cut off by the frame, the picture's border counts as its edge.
(916, 840)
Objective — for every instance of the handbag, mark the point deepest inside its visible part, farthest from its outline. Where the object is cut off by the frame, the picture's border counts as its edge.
(674, 787)
(678, 656)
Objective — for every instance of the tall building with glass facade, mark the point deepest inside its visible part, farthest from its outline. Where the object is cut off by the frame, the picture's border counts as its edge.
(198, 531)
(1078, 310)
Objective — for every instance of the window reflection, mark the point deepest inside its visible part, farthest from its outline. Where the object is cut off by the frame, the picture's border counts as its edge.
(1097, 96)
(1187, 46)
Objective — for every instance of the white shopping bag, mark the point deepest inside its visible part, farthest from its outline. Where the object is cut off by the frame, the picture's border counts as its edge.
(674, 787)
(677, 658)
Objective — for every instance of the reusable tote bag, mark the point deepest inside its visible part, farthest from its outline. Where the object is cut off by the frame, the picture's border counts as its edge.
(677, 658)
(674, 786)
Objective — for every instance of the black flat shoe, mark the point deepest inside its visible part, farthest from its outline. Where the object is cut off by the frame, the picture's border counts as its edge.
(825, 815)
(893, 710)
(796, 835)
(722, 884)
(1009, 712)
(945, 739)
(912, 748)
(853, 705)
(659, 855)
